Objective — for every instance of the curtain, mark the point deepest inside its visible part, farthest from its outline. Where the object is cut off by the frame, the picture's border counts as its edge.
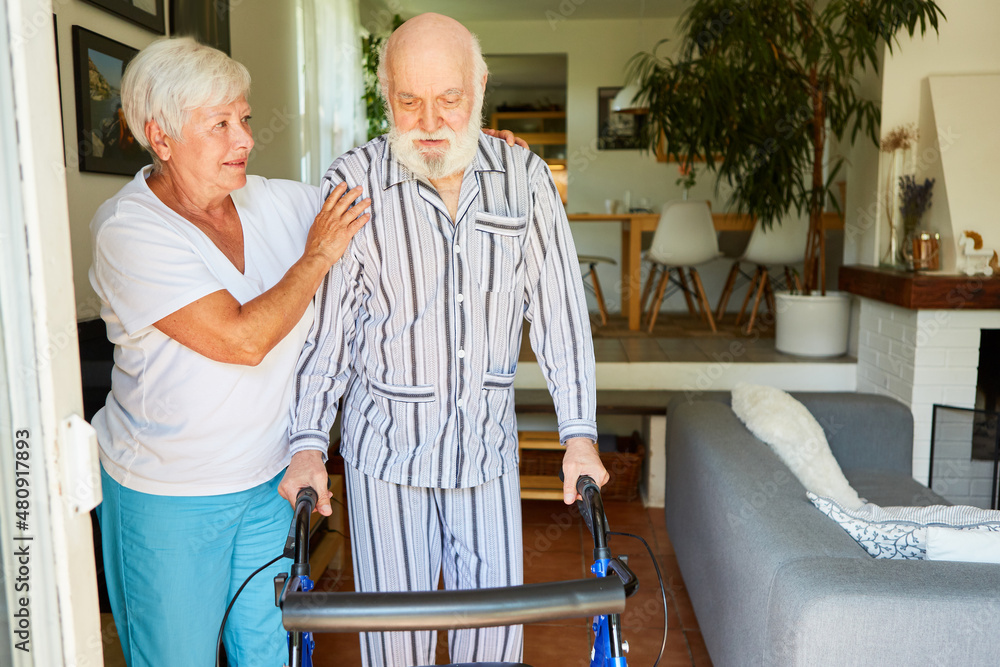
(330, 83)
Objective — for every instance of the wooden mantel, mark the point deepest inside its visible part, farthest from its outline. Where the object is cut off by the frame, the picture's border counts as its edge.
(921, 290)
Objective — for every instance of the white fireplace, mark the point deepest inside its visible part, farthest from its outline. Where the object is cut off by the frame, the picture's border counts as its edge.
(924, 357)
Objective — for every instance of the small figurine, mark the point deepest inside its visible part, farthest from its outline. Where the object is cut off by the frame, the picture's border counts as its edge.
(976, 259)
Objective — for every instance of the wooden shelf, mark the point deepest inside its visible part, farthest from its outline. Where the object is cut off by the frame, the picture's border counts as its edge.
(551, 146)
(921, 291)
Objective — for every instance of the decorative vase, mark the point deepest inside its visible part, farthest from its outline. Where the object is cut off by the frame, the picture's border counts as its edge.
(906, 247)
(925, 251)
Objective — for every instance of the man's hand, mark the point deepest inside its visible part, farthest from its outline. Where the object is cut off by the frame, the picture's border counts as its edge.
(507, 136)
(307, 469)
(581, 458)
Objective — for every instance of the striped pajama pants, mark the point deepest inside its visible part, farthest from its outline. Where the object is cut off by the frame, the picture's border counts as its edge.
(402, 537)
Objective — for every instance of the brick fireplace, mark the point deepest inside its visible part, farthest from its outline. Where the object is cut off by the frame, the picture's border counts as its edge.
(918, 341)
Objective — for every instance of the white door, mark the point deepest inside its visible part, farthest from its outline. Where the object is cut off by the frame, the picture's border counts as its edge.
(48, 607)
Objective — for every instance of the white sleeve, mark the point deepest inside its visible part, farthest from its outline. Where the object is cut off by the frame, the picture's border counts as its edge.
(145, 271)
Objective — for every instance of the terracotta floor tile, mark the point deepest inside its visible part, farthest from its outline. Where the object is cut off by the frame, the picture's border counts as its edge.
(621, 513)
(684, 609)
(663, 545)
(547, 512)
(559, 547)
(645, 646)
(543, 566)
(548, 646)
(554, 536)
(645, 608)
(629, 545)
(337, 649)
(699, 652)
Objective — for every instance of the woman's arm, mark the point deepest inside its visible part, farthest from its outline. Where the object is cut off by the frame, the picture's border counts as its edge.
(218, 327)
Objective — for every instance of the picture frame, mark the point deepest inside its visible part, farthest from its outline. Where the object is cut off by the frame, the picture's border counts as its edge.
(615, 130)
(105, 143)
(206, 22)
(147, 13)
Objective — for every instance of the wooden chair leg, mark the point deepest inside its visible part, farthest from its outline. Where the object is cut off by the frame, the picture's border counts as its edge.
(648, 287)
(706, 309)
(654, 308)
(769, 296)
(687, 291)
(756, 301)
(600, 295)
(798, 283)
(750, 290)
(727, 291)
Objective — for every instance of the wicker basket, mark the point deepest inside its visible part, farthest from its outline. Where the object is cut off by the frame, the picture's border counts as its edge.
(625, 466)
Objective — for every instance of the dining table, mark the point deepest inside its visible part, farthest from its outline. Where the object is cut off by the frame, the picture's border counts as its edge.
(632, 227)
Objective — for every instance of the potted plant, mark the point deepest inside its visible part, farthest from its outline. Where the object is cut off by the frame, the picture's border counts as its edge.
(754, 91)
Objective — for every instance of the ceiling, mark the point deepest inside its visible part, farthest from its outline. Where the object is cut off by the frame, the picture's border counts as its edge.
(523, 10)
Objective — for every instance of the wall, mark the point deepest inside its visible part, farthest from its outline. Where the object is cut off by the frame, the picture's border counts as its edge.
(966, 45)
(274, 97)
(86, 191)
(597, 54)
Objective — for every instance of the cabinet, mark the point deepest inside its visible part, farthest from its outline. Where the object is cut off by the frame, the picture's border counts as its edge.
(545, 132)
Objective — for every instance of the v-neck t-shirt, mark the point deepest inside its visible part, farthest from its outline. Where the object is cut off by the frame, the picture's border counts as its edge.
(176, 422)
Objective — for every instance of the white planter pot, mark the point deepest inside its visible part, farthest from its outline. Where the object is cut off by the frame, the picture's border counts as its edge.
(812, 326)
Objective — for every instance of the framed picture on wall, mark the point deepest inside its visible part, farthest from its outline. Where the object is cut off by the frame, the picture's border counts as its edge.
(104, 140)
(617, 131)
(147, 13)
(207, 22)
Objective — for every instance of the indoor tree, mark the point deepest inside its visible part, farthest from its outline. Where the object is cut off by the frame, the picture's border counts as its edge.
(755, 88)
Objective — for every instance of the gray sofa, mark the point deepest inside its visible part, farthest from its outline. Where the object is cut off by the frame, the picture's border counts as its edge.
(775, 582)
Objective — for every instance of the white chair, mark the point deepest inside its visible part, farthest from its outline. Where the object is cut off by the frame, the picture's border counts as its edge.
(595, 285)
(784, 245)
(684, 238)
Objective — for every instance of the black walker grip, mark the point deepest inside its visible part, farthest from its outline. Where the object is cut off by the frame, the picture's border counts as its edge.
(305, 503)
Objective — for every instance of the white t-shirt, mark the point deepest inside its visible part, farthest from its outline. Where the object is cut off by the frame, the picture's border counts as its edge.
(177, 423)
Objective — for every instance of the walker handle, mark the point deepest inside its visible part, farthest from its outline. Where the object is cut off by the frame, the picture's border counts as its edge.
(432, 610)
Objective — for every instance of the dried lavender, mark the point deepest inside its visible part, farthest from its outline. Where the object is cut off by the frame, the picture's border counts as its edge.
(915, 199)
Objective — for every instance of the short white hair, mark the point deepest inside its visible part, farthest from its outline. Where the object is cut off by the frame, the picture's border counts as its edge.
(480, 69)
(170, 78)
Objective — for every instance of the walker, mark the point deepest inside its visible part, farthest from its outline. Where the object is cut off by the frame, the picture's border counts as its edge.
(305, 611)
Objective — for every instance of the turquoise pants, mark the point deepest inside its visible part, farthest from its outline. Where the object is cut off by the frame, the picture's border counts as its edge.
(173, 563)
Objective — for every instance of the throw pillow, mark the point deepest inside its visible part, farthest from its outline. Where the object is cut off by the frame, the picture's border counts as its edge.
(902, 532)
(970, 546)
(796, 437)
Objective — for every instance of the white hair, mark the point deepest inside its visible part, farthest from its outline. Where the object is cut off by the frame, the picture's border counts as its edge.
(170, 78)
(480, 69)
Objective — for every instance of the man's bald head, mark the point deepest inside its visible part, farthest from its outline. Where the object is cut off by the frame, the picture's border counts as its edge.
(430, 40)
(433, 79)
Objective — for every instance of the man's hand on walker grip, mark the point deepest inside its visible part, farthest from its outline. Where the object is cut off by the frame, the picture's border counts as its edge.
(581, 458)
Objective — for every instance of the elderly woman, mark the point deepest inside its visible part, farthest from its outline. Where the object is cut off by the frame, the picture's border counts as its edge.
(206, 278)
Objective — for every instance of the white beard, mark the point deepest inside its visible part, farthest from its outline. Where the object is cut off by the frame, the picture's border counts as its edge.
(435, 164)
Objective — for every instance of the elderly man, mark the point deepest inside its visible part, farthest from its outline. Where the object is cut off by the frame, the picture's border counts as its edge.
(419, 326)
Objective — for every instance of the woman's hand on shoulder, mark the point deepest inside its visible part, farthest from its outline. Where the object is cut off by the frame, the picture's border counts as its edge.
(507, 136)
(337, 223)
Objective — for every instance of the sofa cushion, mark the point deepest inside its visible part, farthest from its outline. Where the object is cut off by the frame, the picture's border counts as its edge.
(796, 437)
(888, 487)
(901, 532)
(968, 546)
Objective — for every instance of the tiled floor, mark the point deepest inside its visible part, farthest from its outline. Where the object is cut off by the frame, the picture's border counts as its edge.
(557, 546)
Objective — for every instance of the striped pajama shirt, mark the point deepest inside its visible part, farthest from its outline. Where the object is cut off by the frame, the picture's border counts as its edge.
(418, 327)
